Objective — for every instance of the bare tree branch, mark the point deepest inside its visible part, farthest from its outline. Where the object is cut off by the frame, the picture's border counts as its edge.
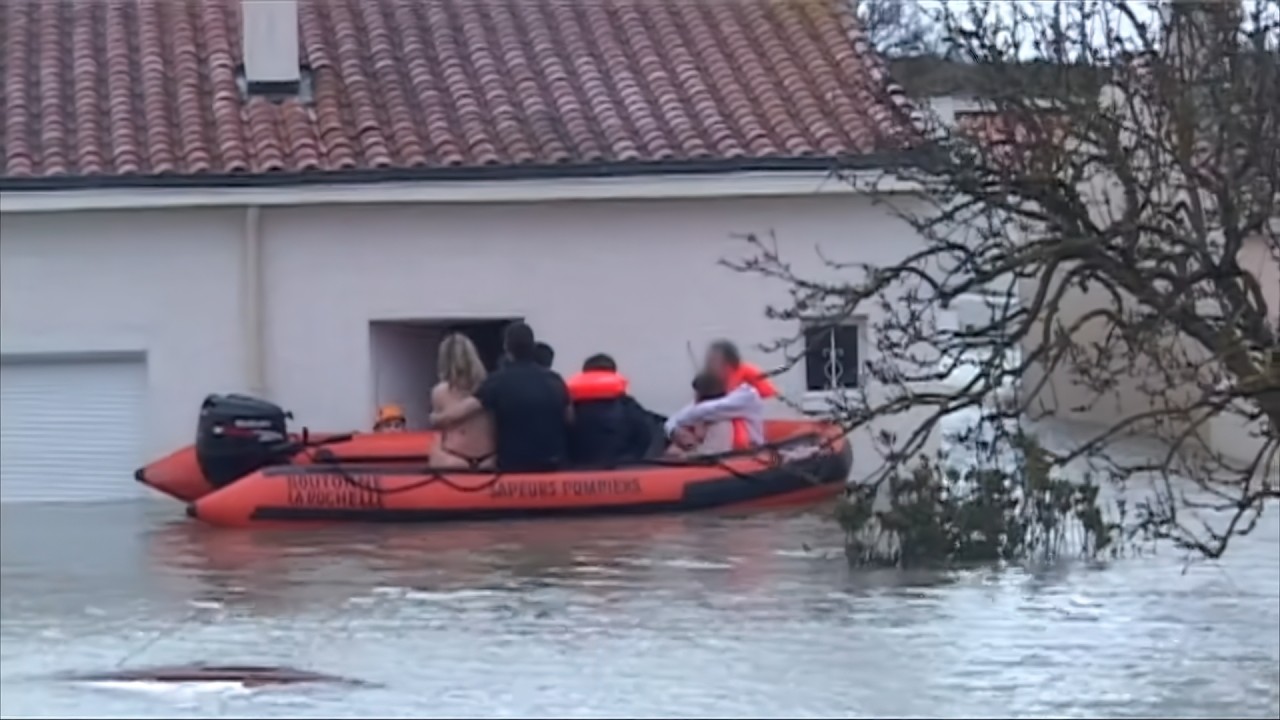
(1117, 218)
(896, 28)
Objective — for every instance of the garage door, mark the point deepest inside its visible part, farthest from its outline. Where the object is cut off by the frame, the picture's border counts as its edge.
(70, 431)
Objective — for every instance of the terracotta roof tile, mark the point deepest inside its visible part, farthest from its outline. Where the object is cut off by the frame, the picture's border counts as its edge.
(149, 87)
(1014, 141)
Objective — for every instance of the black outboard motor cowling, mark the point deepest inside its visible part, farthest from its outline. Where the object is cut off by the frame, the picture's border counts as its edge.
(237, 435)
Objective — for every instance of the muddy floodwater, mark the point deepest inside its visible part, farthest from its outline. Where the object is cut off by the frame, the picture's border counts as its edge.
(753, 616)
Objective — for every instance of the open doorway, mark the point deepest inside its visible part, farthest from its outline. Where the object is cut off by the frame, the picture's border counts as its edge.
(403, 359)
(487, 336)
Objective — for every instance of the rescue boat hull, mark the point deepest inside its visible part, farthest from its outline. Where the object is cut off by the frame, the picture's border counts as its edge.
(180, 476)
(812, 463)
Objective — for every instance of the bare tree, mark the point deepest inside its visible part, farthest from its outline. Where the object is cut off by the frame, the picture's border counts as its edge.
(897, 28)
(1118, 211)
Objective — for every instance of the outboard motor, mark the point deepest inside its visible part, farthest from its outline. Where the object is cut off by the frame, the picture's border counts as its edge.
(238, 434)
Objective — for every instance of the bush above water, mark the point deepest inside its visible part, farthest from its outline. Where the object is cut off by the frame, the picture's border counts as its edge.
(940, 515)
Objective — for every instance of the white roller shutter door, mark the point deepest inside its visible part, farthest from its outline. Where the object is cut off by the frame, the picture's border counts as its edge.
(70, 430)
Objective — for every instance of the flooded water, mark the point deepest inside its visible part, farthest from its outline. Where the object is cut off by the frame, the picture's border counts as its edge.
(718, 616)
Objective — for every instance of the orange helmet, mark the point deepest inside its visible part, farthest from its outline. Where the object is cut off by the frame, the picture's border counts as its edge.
(389, 414)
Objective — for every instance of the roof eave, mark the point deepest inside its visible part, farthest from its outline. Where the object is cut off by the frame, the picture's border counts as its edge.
(456, 174)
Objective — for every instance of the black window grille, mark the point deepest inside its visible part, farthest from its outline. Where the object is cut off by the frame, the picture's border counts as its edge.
(831, 357)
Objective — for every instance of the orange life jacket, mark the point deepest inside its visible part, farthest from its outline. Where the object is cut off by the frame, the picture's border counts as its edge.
(750, 375)
(753, 376)
(596, 385)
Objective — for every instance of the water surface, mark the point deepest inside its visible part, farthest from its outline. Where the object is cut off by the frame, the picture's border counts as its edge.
(721, 616)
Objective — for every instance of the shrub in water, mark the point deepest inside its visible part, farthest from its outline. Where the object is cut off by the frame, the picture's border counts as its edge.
(938, 515)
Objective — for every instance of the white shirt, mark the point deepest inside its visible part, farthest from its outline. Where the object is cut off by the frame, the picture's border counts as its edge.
(718, 440)
(743, 403)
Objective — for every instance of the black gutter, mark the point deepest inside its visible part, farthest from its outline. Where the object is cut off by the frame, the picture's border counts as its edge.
(443, 174)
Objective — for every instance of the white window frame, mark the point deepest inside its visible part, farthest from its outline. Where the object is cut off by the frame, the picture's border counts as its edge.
(818, 400)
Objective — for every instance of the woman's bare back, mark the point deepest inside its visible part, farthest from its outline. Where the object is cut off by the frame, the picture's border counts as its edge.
(468, 442)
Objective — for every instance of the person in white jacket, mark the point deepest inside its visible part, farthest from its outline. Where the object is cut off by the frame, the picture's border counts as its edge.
(742, 407)
(704, 438)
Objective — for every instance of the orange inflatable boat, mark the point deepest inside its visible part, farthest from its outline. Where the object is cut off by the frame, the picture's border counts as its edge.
(245, 468)
(804, 461)
(238, 434)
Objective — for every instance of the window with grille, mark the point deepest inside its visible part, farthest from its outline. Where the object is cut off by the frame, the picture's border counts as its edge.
(831, 356)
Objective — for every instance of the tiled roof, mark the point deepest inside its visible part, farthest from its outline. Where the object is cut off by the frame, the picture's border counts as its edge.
(143, 89)
(1023, 142)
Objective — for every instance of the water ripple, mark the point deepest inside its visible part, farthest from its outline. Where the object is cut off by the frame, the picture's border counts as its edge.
(655, 617)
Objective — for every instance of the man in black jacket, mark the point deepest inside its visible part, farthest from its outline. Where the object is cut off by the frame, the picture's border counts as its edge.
(609, 428)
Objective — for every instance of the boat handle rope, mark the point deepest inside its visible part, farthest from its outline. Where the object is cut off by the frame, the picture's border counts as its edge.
(773, 453)
(324, 456)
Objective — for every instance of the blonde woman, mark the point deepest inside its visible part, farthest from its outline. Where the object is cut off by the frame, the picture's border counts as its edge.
(469, 443)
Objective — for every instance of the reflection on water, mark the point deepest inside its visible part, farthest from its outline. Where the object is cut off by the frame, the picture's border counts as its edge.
(679, 616)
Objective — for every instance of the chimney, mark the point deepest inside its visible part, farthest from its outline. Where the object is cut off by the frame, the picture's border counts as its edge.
(269, 30)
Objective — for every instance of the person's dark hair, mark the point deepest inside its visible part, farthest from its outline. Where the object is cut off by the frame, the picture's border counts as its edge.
(518, 341)
(707, 387)
(544, 355)
(729, 351)
(599, 362)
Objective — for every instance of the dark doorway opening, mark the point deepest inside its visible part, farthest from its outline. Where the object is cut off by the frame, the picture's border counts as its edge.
(487, 336)
(403, 359)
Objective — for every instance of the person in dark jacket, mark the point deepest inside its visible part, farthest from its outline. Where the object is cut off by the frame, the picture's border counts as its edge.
(544, 355)
(609, 428)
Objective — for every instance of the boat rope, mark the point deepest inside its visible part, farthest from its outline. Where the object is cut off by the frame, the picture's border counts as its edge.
(324, 456)
(775, 461)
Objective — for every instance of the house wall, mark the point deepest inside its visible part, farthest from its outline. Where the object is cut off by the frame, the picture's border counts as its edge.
(945, 108)
(1256, 257)
(1231, 435)
(638, 279)
(1058, 392)
(1134, 384)
(162, 283)
(1131, 393)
